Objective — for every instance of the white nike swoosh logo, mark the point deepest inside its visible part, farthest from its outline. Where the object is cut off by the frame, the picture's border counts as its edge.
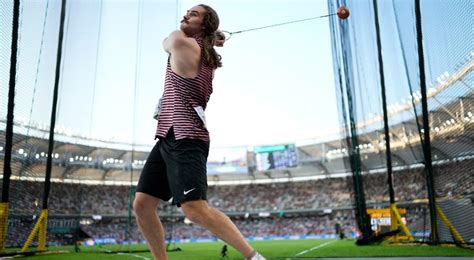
(188, 191)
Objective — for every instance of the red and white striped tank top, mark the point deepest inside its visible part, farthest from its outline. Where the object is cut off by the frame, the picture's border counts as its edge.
(182, 98)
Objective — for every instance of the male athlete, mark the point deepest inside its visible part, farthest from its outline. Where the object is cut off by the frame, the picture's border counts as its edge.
(176, 166)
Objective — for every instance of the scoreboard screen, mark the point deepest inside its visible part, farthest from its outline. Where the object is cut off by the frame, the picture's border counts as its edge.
(275, 157)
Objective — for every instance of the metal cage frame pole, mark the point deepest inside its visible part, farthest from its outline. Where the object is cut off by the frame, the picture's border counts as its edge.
(426, 128)
(7, 170)
(41, 224)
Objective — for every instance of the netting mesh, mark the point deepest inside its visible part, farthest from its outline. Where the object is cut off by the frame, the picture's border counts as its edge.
(70, 206)
(37, 45)
(447, 28)
(448, 51)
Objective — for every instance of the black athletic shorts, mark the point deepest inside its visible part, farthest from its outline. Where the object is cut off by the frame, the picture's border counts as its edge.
(176, 169)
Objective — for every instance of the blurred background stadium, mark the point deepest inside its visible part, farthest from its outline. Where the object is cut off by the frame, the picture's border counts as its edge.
(292, 189)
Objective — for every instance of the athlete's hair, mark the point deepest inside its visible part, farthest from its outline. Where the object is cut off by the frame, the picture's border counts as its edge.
(210, 25)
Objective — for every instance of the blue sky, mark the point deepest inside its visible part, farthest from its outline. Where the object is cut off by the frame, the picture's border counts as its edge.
(276, 85)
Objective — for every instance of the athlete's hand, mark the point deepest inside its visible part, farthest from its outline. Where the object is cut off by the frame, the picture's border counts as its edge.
(220, 39)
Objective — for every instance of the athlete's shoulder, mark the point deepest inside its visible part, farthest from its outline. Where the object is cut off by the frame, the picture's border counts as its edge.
(178, 40)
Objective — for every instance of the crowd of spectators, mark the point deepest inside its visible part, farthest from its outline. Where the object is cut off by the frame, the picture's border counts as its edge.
(112, 203)
(272, 226)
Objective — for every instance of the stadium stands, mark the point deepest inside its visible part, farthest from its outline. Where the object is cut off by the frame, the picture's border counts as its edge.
(290, 208)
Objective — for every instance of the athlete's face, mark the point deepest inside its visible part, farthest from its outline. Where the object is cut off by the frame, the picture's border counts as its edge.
(191, 24)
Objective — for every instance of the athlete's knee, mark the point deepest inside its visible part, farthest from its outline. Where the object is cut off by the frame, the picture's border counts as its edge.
(139, 206)
(196, 211)
(143, 205)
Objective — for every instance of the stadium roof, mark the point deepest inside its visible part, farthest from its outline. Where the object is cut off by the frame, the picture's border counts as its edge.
(79, 158)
